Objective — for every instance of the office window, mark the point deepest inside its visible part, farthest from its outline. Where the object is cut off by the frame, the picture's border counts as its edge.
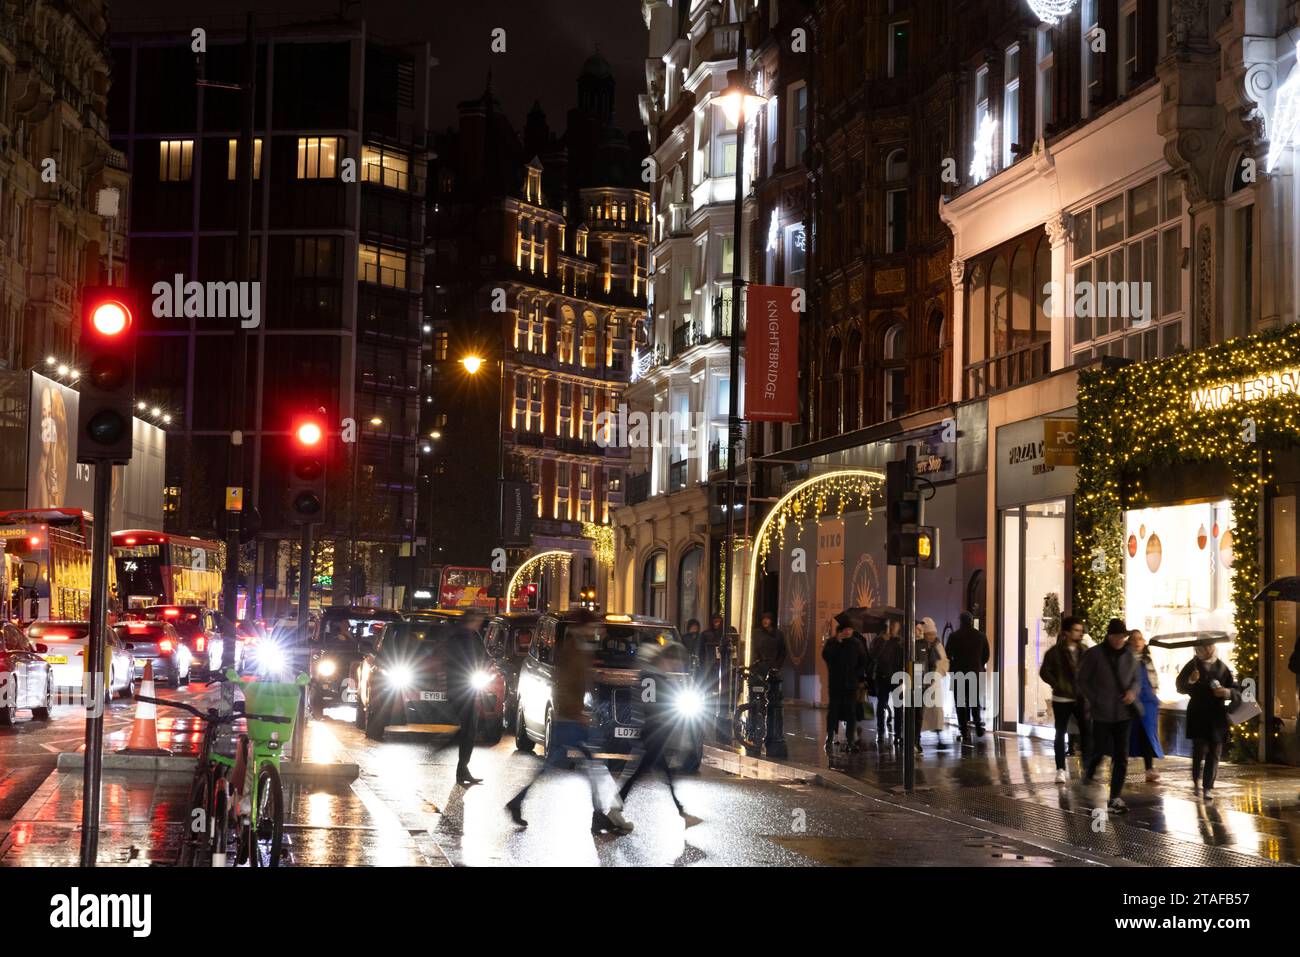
(797, 117)
(1045, 91)
(796, 255)
(232, 158)
(728, 258)
(175, 160)
(382, 266)
(440, 346)
(895, 220)
(770, 125)
(317, 157)
(1090, 59)
(1128, 39)
(1011, 107)
(898, 35)
(386, 167)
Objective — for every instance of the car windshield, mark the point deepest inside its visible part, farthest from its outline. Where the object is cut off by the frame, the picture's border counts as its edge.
(352, 629)
(616, 644)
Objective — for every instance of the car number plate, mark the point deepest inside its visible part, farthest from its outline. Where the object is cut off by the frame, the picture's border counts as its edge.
(57, 659)
(627, 732)
(433, 696)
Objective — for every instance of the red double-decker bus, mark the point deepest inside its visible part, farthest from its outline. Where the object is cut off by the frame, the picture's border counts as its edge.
(460, 586)
(159, 568)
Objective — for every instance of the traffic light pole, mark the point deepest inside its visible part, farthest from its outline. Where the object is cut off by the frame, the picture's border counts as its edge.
(304, 598)
(93, 684)
(239, 359)
(910, 733)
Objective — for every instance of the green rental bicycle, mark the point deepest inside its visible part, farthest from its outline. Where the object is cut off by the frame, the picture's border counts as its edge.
(237, 799)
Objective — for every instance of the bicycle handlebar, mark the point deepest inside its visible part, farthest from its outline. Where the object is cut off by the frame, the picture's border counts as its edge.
(212, 715)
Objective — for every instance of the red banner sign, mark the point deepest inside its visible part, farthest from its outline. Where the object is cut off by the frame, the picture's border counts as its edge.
(771, 355)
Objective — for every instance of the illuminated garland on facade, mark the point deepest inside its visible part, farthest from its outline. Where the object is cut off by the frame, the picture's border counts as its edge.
(544, 563)
(1152, 416)
(807, 501)
(602, 537)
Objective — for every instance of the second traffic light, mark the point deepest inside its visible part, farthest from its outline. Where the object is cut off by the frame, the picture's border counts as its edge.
(307, 471)
(909, 541)
(107, 347)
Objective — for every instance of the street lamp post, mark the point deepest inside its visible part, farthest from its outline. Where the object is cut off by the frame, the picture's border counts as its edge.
(737, 102)
(473, 364)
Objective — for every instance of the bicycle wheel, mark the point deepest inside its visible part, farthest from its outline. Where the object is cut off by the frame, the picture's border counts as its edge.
(219, 826)
(269, 830)
(750, 726)
(197, 845)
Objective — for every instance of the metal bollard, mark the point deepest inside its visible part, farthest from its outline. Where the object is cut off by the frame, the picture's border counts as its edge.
(775, 743)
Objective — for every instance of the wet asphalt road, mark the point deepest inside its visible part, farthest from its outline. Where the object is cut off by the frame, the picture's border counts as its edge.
(406, 809)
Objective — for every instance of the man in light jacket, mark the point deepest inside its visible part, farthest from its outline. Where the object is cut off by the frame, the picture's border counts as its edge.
(1108, 681)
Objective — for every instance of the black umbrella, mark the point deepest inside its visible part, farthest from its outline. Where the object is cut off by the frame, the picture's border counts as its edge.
(867, 620)
(1286, 588)
(1189, 639)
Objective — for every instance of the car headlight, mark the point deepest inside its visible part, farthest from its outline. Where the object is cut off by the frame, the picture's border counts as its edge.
(480, 680)
(270, 658)
(326, 667)
(690, 703)
(588, 701)
(401, 676)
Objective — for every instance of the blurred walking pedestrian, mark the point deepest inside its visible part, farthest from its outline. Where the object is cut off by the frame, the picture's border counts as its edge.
(572, 681)
(1212, 691)
(466, 659)
(1058, 671)
(663, 675)
(1108, 680)
(1145, 738)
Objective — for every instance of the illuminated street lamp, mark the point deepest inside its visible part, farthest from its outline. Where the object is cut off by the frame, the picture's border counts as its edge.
(739, 100)
(472, 364)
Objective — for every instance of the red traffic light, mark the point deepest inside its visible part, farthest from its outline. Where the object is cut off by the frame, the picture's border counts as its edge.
(110, 318)
(532, 588)
(309, 434)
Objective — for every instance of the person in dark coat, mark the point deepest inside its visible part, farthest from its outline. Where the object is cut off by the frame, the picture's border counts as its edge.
(845, 662)
(769, 646)
(968, 656)
(1060, 665)
(1108, 680)
(693, 639)
(1213, 691)
(887, 674)
(465, 659)
(864, 680)
(717, 645)
(1145, 737)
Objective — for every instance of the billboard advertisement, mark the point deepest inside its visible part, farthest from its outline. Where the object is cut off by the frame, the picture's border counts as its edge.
(771, 355)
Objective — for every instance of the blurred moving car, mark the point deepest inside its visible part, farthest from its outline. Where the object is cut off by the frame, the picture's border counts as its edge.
(508, 638)
(159, 643)
(25, 679)
(613, 706)
(200, 629)
(65, 644)
(340, 638)
(403, 681)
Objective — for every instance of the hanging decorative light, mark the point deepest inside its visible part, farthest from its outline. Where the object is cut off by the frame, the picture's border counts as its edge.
(1051, 11)
(981, 164)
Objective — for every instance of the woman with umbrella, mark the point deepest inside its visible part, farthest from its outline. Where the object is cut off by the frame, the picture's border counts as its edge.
(1210, 685)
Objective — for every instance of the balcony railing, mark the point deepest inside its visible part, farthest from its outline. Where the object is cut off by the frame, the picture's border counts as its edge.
(722, 316)
(717, 457)
(1009, 370)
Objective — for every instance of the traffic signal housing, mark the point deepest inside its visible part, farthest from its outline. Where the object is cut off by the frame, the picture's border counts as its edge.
(307, 471)
(530, 592)
(107, 351)
(909, 541)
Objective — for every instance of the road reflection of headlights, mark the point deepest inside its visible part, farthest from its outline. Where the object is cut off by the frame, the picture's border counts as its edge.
(326, 667)
(480, 680)
(690, 703)
(401, 676)
(270, 658)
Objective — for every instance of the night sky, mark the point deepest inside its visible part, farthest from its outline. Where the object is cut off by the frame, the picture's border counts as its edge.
(547, 42)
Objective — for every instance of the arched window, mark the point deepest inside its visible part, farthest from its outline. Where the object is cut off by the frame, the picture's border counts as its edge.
(1022, 309)
(853, 381)
(568, 326)
(1042, 276)
(938, 366)
(894, 351)
(690, 587)
(588, 340)
(654, 585)
(896, 165)
(896, 201)
(999, 305)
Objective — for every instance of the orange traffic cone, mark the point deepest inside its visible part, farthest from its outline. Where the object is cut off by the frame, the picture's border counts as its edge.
(144, 732)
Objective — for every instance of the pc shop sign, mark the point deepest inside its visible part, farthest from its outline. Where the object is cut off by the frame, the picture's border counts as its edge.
(771, 355)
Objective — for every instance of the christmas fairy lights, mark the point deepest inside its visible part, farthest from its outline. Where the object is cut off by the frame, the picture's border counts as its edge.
(542, 563)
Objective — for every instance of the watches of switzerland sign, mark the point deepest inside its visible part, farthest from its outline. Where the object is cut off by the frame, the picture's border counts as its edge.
(771, 355)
